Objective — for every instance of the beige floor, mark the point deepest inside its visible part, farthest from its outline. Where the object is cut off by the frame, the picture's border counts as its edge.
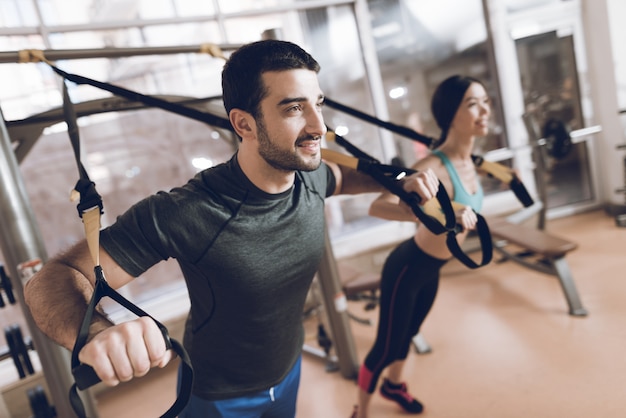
(503, 344)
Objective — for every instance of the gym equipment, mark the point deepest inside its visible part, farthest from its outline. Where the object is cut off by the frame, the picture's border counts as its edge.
(90, 208)
(5, 284)
(620, 218)
(557, 138)
(550, 250)
(499, 171)
(18, 350)
(508, 231)
(359, 286)
(39, 403)
(437, 214)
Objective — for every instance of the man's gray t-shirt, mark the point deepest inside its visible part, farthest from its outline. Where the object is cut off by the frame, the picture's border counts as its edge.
(248, 258)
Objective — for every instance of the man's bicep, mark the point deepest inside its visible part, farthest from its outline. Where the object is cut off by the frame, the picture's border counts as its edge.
(115, 275)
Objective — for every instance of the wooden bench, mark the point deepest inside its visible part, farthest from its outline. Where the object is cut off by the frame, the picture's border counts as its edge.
(550, 248)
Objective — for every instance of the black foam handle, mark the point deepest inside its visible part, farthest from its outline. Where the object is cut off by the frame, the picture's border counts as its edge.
(521, 192)
(85, 376)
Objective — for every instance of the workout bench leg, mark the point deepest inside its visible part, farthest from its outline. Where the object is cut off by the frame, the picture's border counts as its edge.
(569, 288)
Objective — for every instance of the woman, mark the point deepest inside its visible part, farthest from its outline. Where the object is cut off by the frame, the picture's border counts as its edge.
(410, 276)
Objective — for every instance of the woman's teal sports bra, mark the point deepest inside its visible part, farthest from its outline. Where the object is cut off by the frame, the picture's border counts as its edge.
(475, 201)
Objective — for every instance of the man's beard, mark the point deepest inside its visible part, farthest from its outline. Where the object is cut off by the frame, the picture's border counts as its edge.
(281, 159)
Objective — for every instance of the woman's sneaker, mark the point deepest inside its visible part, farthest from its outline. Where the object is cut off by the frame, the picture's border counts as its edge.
(399, 394)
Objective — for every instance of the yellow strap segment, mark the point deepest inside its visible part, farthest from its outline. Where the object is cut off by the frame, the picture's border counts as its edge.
(31, 55)
(432, 208)
(91, 222)
(330, 136)
(212, 49)
(339, 158)
(499, 171)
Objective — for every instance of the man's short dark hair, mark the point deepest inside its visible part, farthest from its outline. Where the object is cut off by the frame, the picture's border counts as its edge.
(242, 85)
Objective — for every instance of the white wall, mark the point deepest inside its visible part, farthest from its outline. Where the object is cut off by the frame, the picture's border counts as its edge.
(617, 14)
(603, 27)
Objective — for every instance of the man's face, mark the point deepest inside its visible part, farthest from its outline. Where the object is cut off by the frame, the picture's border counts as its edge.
(290, 126)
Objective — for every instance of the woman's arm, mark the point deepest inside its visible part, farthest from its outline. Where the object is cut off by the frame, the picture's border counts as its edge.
(391, 207)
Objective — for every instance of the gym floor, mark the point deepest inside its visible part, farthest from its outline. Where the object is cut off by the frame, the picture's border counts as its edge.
(503, 344)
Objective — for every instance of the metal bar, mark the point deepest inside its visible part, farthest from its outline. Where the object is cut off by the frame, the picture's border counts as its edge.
(374, 77)
(566, 280)
(68, 54)
(143, 23)
(337, 314)
(21, 242)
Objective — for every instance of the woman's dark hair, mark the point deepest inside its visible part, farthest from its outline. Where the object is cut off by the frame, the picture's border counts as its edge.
(446, 101)
(242, 85)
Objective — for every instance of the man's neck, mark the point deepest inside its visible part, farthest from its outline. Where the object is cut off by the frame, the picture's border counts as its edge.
(263, 175)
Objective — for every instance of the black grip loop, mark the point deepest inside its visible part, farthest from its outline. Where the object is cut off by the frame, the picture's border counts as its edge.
(520, 191)
(486, 244)
(85, 376)
(388, 176)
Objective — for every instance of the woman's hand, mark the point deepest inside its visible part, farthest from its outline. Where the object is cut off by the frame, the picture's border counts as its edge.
(466, 217)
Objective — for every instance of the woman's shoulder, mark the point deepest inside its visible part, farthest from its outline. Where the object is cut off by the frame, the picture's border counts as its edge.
(430, 161)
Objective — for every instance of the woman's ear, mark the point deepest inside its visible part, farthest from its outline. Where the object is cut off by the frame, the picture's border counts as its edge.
(243, 123)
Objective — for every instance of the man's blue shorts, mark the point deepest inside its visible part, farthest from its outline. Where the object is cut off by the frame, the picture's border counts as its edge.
(277, 402)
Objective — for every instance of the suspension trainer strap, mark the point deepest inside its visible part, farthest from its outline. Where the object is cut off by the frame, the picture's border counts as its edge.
(436, 214)
(493, 169)
(90, 209)
(507, 176)
(176, 108)
(482, 230)
(390, 178)
(401, 130)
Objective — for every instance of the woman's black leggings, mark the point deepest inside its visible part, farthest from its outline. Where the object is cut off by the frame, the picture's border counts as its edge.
(409, 284)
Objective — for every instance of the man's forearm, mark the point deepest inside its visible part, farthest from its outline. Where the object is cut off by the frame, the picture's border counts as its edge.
(57, 297)
(355, 182)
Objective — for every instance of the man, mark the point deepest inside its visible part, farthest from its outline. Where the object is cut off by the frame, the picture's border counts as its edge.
(248, 235)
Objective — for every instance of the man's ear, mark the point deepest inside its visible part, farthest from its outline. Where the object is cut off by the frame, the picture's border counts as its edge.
(243, 123)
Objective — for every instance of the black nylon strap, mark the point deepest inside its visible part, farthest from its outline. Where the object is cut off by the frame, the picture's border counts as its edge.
(386, 175)
(89, 197)
(486, 245)
(506, 175)
(176, 108)
(516, 185)
(84, 375)
(450, 228)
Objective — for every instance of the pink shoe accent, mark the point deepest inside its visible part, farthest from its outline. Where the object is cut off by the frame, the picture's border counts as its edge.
(401, 396)
(365, 378)
(402, 392)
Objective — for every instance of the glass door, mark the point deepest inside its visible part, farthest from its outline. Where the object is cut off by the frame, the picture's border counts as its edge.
(552, 101)
(551, 62)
